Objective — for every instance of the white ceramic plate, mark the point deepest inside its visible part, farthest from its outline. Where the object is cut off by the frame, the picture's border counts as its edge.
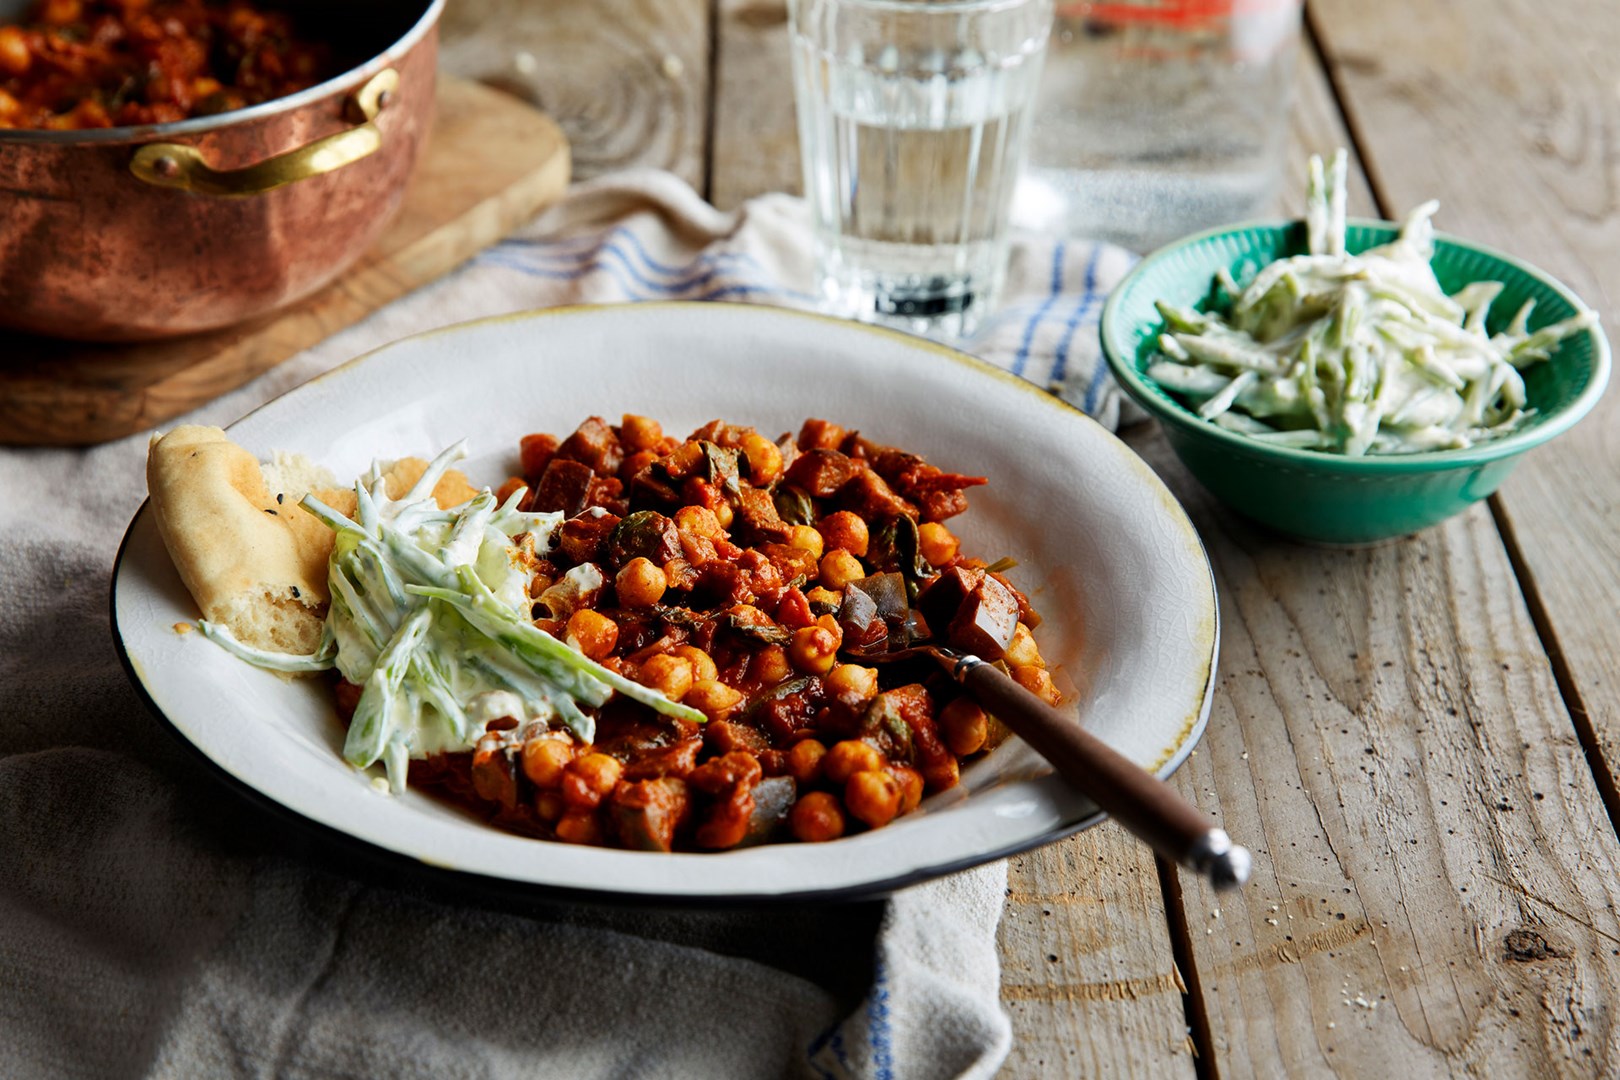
(1105, 552)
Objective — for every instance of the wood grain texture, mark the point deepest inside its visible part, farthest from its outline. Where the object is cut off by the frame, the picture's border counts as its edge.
(1087, 974)
(628, 80)
(1435, 879)
(1522, 155)
(1433, 892)
(468, 192)
(756, 138)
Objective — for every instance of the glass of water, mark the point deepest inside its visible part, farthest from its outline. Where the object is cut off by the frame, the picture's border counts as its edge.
(913, 118)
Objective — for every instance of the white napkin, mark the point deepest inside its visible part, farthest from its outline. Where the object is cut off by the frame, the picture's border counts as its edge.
(153, 923)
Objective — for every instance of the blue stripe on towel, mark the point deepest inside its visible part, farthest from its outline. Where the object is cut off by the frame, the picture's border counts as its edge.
(1088, 300)
(1021, 360)
(877, 1014)
(627, 278)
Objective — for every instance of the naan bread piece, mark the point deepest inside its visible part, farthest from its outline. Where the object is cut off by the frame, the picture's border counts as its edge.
(254, 560)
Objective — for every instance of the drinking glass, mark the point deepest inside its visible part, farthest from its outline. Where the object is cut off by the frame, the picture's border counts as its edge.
(913, 118)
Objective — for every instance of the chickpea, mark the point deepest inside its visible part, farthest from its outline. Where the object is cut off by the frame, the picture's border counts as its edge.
(580, 827)
(15, 58)
(814, 649)
(713, 698)
(853, 680)
(804, 761)
(845, 530)
(670, 675)
(849, 757)
(770, 665)
(640, 584)
(964, 726)
(588, 779)
(817, 818)
(805, 538)
(936, 543)
(549, 806)
(911, 786)
(822, 598)
(1023, 651)
(725, 514)
(942, 774)
(764, 459)
(703, 666)
(873, 796)
(61, 12)
(592, 633)
(839, 568)
(544, 761)
(699, 521)
(640, 433)
(1037, 681)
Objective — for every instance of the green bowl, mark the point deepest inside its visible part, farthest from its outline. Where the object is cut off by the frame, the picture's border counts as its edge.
(1326, 497)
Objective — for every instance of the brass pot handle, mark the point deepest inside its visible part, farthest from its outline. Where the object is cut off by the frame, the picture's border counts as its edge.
(175, 165)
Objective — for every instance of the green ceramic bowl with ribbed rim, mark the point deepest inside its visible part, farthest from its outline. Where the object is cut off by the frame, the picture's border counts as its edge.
(1326, 497)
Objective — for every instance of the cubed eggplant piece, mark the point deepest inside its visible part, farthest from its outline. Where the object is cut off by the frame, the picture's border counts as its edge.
(773, 798)
(584, 538)
(645, 534)
(673, 761)
(859, 619)
(943, 597)
(760, 522)
(648, 813)
(985, 622)
(562, 489)
(494, 772)
(823, 472)
(595, 445)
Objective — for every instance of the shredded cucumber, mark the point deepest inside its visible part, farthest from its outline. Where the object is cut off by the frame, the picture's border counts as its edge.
(1355, 354)
(430, 614)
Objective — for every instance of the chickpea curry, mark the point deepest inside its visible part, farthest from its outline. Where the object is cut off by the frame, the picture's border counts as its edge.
(752, 585)
(78, 64)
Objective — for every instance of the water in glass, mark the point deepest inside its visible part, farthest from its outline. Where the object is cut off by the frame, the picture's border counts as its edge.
(911, 156)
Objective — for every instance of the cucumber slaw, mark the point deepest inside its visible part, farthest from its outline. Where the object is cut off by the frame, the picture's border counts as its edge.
(1354, 354)
(430, 614)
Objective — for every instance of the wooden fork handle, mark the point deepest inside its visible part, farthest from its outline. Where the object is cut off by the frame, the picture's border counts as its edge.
(1131, 795)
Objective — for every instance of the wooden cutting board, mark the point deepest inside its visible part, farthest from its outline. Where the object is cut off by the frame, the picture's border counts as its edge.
(490, 164)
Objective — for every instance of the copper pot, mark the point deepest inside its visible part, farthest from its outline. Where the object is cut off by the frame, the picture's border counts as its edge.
(133, 233)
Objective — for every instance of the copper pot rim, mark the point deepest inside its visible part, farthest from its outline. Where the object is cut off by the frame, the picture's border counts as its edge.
(337, 85)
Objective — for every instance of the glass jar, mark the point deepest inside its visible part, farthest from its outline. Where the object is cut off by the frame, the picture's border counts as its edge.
(1157, 118)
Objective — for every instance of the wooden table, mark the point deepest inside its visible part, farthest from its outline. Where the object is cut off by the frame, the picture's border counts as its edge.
(1419, 739)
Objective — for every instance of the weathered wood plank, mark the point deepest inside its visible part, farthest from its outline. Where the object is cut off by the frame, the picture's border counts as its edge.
(1087, 974)
(628, 80)
(756, 138)
(1435, 879)
(1509, 117)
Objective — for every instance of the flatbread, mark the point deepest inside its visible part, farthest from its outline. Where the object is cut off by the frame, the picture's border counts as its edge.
(252, 559)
